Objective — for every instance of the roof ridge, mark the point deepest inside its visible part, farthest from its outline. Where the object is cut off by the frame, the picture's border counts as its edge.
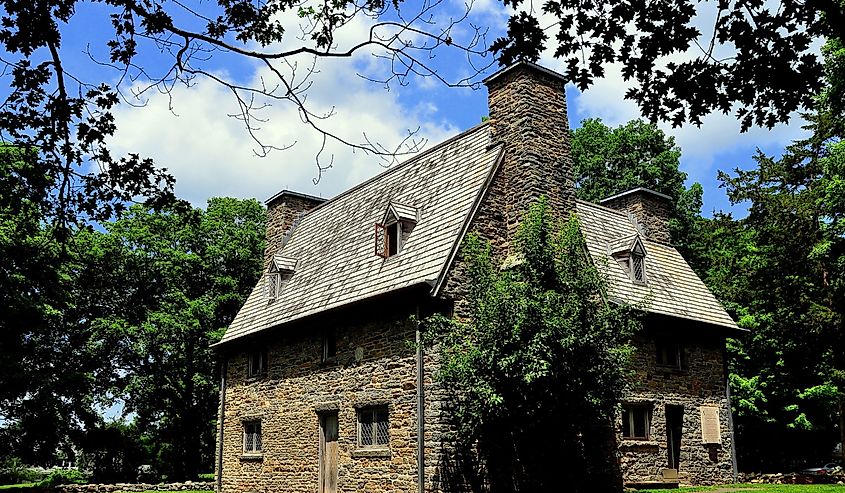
(396, 167)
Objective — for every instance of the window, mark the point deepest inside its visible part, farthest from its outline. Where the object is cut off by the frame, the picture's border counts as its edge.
(257, 364)
(630, 253)
(252, 437)
(274, 285)
(671, 355)
(372, 427)
(636, 422)
(329, 345)
(388, 239)
(395, 228)
(638, 268)
(278, 275)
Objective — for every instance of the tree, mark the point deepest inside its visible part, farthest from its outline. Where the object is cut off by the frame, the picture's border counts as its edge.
(607, 161)
(45, 393)
(752, 58)
(66, 119)
(179, 279)
(538, 369)
(782, 269)
(122, 314)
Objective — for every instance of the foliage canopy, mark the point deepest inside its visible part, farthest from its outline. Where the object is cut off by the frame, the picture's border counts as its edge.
(538, 366)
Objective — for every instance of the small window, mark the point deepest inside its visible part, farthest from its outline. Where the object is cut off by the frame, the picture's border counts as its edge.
(636, 422)
(329, 345)
(257, 364)
(388, 239)
(638, 268)
(395, 229)
(276, 282)
(274, 285)
(372, 427)
(252, 437)
(670, 355)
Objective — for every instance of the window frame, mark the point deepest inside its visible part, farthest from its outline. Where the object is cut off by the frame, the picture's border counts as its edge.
(373, 413)
(259, 355)
(629, 412)
(328, 346)
(257, 447)
(633, 258)
(670, 348)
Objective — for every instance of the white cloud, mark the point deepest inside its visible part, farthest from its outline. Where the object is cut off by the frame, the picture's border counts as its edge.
(211, 154)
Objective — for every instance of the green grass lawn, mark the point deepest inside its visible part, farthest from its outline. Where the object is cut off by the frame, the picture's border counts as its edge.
(16, 486)
(764, 488)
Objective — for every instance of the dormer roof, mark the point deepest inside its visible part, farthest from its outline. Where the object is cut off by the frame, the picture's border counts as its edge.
(280, 263)
(626, 245)
(401, 212)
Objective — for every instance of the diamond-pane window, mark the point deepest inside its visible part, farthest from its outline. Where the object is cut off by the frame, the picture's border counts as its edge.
(373, 427)
(638, 267)
(252, 437)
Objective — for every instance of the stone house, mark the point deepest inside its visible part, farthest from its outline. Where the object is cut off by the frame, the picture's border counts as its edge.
(322, 387)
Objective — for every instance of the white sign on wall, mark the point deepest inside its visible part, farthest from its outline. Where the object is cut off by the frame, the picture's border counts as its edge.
(710, 428)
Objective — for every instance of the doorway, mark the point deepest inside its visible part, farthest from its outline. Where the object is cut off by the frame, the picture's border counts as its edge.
(328, 452)
(674, 432)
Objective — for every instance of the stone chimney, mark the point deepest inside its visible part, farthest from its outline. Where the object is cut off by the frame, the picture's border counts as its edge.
(652, 210)
(282, 210)
(527, 105)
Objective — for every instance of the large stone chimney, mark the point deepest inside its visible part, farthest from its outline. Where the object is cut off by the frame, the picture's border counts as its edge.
(652, 210)
(282, 210)
(527, 105)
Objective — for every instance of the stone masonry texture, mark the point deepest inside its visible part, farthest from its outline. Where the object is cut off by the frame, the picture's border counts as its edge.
(701, 383)
(651, 211)
(282, 210)
(375, 366)
(528, 113)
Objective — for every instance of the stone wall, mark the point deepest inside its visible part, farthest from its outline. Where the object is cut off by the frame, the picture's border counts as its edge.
(651, 209)
(375, 365)
(527, 106)
(282, 210)
(133, 487)
(703, 382)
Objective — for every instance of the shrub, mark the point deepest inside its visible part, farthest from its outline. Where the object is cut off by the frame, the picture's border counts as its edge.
(64, 476)
(13, 471)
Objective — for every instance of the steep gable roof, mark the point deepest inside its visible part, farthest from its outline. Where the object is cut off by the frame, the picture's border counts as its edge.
(334, 243)
(672, 289)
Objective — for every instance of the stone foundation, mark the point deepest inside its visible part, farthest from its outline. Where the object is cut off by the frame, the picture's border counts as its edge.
(134, 487)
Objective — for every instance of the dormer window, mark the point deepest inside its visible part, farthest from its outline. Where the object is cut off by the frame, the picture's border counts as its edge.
(638, 266)
(278, 275)
(630, 253)
(394, 230)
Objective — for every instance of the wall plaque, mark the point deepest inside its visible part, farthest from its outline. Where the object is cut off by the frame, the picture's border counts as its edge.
(710, 429)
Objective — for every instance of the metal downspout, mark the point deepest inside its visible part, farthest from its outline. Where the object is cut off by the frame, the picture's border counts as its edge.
(420, 411)
(223, 370)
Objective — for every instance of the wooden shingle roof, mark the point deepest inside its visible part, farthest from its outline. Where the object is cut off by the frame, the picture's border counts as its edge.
(672, 288)
(334, 244)
(331, 249)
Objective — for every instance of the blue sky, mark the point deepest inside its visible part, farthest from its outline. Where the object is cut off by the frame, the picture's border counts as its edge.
(211, 153)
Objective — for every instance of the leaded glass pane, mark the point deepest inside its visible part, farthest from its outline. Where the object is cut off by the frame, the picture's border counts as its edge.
(638, 267)
(366, 425)
(381, 428)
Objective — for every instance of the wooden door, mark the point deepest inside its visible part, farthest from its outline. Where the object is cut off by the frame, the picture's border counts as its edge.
(328, 453)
